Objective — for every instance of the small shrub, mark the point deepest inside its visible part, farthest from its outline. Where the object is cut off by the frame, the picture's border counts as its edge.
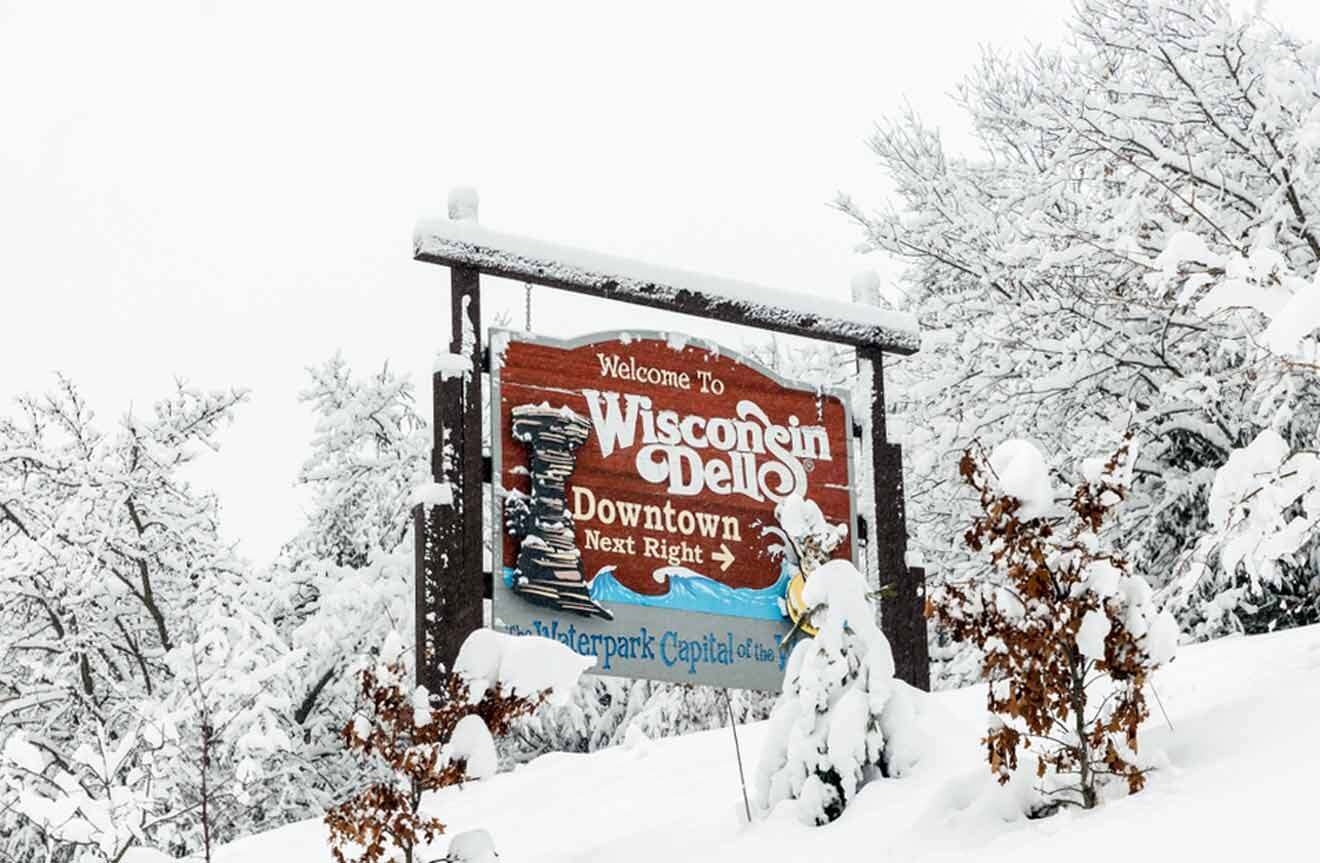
(1069, 635)
(423, 742)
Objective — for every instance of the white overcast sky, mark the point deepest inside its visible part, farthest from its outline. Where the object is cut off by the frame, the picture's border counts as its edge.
(225, 191)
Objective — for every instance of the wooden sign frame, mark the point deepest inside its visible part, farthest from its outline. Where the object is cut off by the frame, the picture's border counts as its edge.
(451, 583)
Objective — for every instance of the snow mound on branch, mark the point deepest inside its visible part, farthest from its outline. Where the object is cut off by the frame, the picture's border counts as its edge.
(800, 517)
(1091, 634)
(1185, 246)
(519, 665)
(471, 741)
(839, 591)
(473, 846)
(1299, 318)
(1243, 472)
(1021, 472)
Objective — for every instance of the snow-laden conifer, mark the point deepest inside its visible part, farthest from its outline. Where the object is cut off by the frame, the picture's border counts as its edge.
(842, 719)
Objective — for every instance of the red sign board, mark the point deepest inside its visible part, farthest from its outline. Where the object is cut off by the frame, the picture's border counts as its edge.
(638, 480)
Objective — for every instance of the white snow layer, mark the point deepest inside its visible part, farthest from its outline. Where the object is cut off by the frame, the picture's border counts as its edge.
(1091, 634)
(1234, 784)
(520, 665)
(496, 251)
(473, 846)
(463, 203)
(1243, 473)
(449, 365)
(471, 741)
(1020, 472)
(432, 494)
(866, 288)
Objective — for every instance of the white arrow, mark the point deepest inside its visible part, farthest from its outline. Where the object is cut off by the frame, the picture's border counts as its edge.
(724, 557)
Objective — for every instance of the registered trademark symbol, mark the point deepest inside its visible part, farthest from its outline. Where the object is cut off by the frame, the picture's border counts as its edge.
(808, 464)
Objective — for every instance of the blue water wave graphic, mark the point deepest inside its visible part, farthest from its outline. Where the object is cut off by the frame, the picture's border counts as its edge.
(692, 591)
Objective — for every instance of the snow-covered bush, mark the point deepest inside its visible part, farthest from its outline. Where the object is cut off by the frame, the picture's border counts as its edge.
(605, 711)
(420, 741)
(1068, 634)
(842, 718)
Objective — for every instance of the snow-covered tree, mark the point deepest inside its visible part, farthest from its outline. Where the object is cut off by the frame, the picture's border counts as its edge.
(113, 577)
(842, 718)
(346, 579)
(370, 449)
(1141, 201)
(1069, 635)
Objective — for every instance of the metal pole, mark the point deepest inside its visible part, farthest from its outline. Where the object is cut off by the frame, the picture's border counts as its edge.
(742, 777)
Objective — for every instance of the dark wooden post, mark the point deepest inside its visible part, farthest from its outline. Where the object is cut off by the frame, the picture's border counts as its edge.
(902, 608)
(449, 539)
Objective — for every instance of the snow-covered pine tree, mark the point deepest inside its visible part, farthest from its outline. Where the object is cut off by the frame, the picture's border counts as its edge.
(345, 580)
(369, 450)
(842, 719)
(1069, 635)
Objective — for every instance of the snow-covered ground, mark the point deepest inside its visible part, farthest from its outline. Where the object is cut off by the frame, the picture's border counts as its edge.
(1237, 783)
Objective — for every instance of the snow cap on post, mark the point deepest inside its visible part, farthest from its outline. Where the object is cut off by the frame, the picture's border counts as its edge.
(463, 203)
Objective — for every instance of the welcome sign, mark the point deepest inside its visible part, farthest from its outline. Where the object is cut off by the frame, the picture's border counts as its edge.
(637, 480)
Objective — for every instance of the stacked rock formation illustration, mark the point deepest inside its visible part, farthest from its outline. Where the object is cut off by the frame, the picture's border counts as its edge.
(549, 566)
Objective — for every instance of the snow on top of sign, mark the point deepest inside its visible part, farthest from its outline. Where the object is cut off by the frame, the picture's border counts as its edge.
(497, 251)
(520, 665)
